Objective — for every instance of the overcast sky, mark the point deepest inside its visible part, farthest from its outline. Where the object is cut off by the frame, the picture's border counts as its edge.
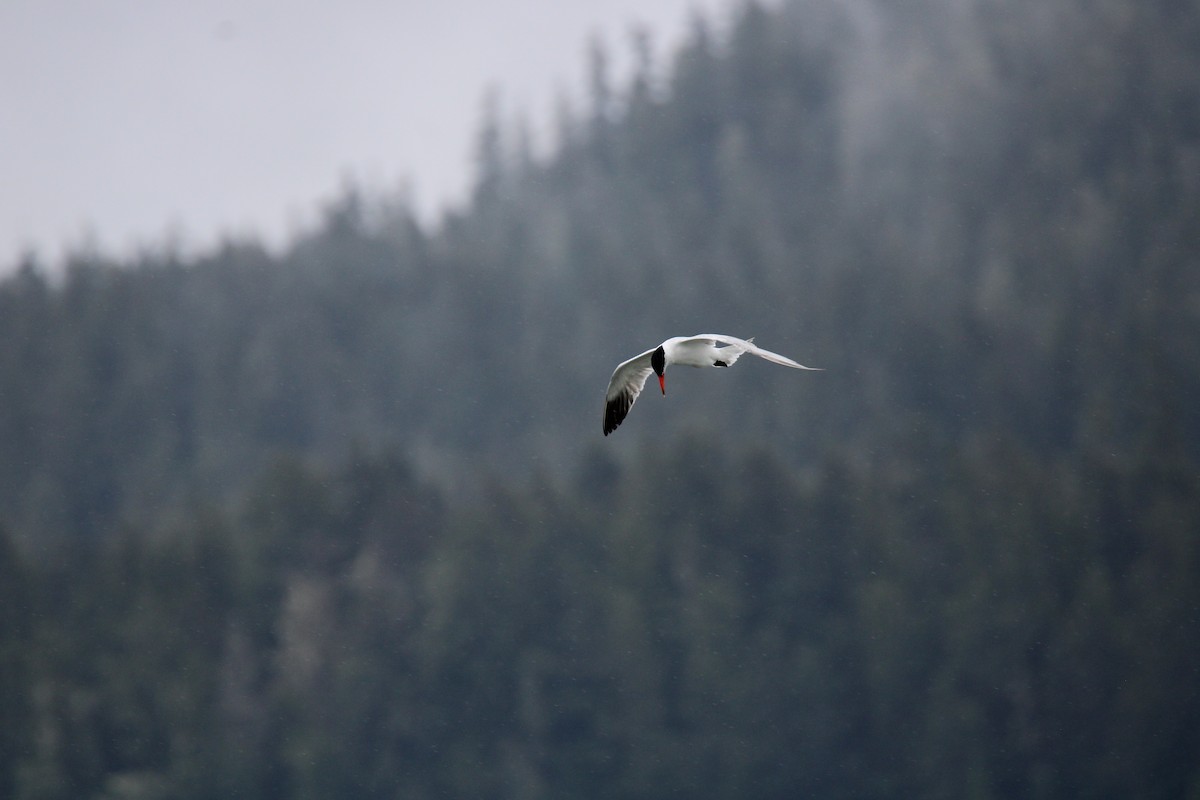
(123, 120)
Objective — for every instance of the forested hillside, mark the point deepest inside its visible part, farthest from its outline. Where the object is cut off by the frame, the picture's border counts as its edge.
(339, 521)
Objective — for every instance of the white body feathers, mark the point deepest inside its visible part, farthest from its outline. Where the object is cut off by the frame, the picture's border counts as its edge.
(704, 350)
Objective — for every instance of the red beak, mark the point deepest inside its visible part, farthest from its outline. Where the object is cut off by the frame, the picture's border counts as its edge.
(662, 383)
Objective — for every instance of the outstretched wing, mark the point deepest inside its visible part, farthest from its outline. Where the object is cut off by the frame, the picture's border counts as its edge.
(627, 381)
(749, 346)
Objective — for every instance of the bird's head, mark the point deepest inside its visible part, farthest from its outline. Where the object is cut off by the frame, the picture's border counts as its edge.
(658, 362)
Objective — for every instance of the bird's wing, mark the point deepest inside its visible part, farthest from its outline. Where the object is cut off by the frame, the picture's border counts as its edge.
(627, 381)
(749, 346)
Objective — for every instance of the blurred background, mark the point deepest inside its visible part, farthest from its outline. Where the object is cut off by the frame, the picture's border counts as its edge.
(322, 509)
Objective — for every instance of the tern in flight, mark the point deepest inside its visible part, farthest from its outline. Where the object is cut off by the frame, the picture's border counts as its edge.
(694, 351)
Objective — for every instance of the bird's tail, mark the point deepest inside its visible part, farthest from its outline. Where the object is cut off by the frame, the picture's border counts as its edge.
(732, 352)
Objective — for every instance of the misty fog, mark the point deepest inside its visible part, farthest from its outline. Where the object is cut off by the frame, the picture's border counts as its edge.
(338, 518)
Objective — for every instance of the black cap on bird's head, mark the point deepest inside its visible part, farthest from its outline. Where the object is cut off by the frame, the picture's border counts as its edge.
(658, 362)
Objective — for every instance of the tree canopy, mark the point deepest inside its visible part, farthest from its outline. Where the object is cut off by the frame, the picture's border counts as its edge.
(339, 520)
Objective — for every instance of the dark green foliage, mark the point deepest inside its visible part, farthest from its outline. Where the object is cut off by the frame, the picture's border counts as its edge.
(715, 624)
(340, 522)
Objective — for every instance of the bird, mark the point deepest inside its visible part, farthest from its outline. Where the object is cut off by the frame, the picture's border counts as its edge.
(702, 350)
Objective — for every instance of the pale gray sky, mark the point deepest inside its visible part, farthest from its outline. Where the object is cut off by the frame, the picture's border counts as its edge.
(123, 120)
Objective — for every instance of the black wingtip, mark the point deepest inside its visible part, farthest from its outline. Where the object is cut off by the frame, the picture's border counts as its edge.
(615, 411)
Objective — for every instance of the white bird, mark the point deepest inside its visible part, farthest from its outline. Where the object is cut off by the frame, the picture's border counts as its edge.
(629, 377)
